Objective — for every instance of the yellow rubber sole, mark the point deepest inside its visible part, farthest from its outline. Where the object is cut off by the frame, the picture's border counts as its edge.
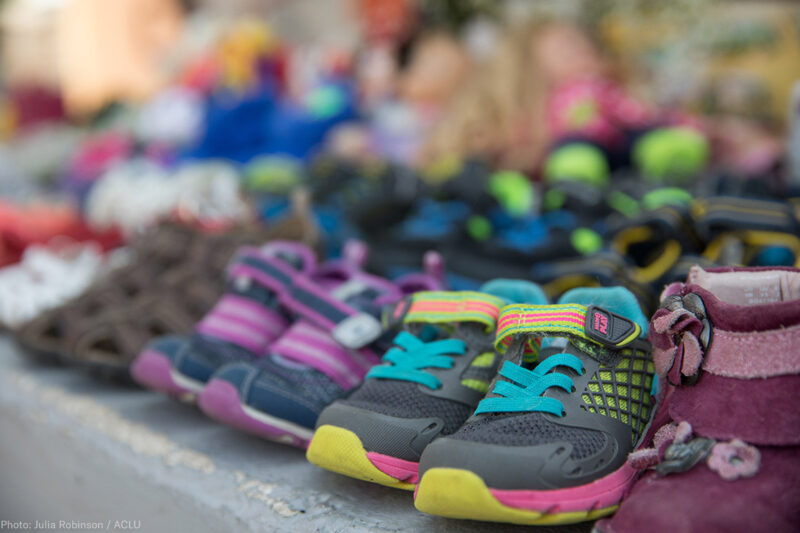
(340, 450)
(456, 493)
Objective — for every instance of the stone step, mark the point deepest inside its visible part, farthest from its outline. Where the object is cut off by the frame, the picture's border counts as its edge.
(78, 453)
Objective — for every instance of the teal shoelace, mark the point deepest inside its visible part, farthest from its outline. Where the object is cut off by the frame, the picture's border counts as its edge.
(523, 392)
(411, 356)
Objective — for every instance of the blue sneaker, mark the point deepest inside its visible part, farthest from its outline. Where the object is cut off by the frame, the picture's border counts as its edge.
(326, 352)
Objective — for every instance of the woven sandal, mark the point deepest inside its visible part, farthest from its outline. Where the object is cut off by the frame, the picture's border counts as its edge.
(108, 326)
(150, 256)
(105, 342)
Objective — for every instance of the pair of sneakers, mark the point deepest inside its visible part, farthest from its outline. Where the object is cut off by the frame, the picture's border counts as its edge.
(286, 339)
(494, 405)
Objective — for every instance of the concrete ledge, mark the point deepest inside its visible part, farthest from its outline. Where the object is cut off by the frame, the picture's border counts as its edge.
(76, 449)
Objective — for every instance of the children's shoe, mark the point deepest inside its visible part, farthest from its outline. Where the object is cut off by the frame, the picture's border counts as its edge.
(46, 277)
(655, 241)
(241, 326)
(431, 381)
(336, 338)
(726, 455)
(549, 444)
(507, 245)
(173, 279)
(40, 223)
(152, 256)
(747, 231)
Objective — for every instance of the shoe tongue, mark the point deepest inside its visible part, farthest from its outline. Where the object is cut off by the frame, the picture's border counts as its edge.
(432, 278)
(446, 308)
(429, 332)
(750, 287)
(515, 291)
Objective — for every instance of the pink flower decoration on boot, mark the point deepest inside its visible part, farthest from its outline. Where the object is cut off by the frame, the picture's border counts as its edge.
(683, 432)
(734, 459)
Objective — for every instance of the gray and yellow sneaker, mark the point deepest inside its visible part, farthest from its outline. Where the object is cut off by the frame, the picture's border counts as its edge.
(549, 444)
(429, 383)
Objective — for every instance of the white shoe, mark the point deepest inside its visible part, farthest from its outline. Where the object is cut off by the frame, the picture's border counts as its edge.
(131, 196)
(46, 277)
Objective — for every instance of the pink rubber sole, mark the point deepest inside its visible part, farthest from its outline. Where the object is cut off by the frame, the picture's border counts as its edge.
(400, 469)
(220, 401)
(152, 369)
(604, 492)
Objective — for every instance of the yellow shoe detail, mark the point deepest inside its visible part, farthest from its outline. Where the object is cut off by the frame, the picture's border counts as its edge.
(457, 493)
(340, 450)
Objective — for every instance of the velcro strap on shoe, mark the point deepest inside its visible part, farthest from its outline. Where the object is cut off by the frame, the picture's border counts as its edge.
(751, 238)
(243, 321)
(351, 327)
(309, 344)
(441, 307)
(591, 328)
(253, 264)
(666, 222)
(720, 214)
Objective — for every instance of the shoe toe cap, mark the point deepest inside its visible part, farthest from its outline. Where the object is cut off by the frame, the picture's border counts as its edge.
(403, 438)
(547, 466)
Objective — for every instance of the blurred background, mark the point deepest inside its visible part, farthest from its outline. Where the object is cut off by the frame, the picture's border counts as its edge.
(479, 128)
(95, 64)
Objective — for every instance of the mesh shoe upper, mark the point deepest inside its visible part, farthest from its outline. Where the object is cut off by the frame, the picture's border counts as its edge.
(621, 393)
(201, 356)
(530, 429)
(588, 398)
(405, 400)
(292, 392)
